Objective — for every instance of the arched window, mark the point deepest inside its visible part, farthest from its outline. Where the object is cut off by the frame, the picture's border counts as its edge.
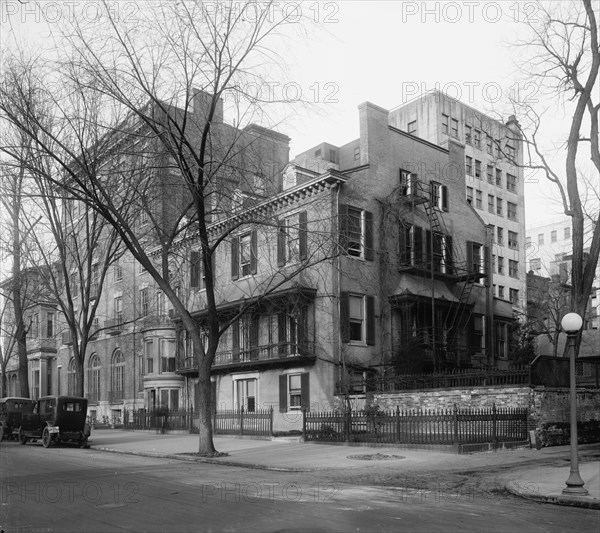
(71, 377)
(116, 377)
(94, 378)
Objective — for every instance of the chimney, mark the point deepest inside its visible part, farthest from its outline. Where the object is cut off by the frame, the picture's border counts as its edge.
(201, 105)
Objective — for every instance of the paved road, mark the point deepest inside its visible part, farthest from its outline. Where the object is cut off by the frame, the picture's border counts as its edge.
(68, 489)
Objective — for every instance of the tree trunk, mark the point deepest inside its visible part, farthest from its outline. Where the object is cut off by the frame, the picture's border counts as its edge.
(205, 407)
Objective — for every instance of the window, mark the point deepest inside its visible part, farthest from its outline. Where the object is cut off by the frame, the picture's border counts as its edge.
(500, 265)
(514, 296)
(567, 233)
(540, 238)
(535, 264)
(439, 196)
(490, 174)
(500, 236)
(445, 123)
(118, 309)
(291, 239)
(511, 182)
(499, 207)
(468, 134)
(356, 153)
(71, 378)
(527, 240)
(501, 344)
(34, 328)
(118, 270)
(470, 195)
(358, 320)
(477, 141)
(117, 373)
(478, 199)
(442, 252)
(294, 392)
(501, 292)
(332, 156)
(455, 128)
(469, 165)
(356, 232)
(513, 268)
(246, 394)
(408, 182)
(477, 168)
(489, 144)
(144, 302)
(475, 257)
(491, 203)
(94, 370)
(510, 151)
(49, 325)
(243, 255)
(511, 210)
(317, 153)
(167, 355)
(499, 177)
(410, 245)
(513, 240)
(149, 353)
(553, 236)
(245, 338)
(412, 127)
(195, 269)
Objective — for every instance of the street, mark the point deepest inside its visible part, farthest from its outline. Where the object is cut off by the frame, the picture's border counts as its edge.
(71, 489)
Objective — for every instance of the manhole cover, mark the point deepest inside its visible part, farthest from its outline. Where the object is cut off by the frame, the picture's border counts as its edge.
(375, 457)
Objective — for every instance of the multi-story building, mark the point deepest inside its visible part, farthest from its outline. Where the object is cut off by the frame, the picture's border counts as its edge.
(494, 170)
(397, 277)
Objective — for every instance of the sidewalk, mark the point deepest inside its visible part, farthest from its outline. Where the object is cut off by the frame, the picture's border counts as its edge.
(534, 474)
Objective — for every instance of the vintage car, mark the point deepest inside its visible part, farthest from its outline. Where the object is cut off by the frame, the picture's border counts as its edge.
(56, 419)
(11, 410)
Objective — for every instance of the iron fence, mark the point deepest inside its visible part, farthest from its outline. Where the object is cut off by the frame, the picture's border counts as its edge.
(446, 426)
(225, 422)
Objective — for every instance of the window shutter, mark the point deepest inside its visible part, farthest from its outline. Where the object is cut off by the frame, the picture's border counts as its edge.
(369, 252)
(371, 320)
(305, 390)
(343, 226)
(253, 251)
(449, 255)
(235, 258)
(444, 197)
(402, 256)
(428, 243)
(303, 235)
(418, 245)
(470, 256)
(281, 239)
(344, 317)
(235, 341)
(195, 276)
(283, 393)
(486, 260)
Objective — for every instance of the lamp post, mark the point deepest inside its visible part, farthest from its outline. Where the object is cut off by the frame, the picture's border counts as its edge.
(571, 324)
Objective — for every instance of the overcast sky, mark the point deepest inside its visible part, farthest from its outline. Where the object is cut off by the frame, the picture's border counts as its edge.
(386, 52)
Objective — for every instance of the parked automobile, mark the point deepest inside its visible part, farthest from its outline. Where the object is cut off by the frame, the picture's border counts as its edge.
(11, 409)
(56, 419)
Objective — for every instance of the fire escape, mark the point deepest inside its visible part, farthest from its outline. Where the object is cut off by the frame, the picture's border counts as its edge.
(446, 263)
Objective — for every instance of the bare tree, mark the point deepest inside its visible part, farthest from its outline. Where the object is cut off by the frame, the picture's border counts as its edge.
(565, 61)
(209, 179)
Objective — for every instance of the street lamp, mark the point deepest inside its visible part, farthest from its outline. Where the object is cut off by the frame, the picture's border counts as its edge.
(571, 324)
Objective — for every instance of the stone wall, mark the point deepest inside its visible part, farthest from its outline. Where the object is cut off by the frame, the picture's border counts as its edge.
(548, 408)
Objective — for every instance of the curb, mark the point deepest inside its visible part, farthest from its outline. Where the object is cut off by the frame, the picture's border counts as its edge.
(573, 501)
(196, 459)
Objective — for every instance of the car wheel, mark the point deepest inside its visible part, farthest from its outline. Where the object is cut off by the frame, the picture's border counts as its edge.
(22, 437)
(46, 438)
(83, 442)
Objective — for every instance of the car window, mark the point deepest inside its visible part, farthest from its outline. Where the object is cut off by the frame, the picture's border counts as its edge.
(72, 407)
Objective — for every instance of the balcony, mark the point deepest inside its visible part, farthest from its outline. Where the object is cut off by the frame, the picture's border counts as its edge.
(115, 396)
(157, 322)
(281, 354)
(113, 326)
